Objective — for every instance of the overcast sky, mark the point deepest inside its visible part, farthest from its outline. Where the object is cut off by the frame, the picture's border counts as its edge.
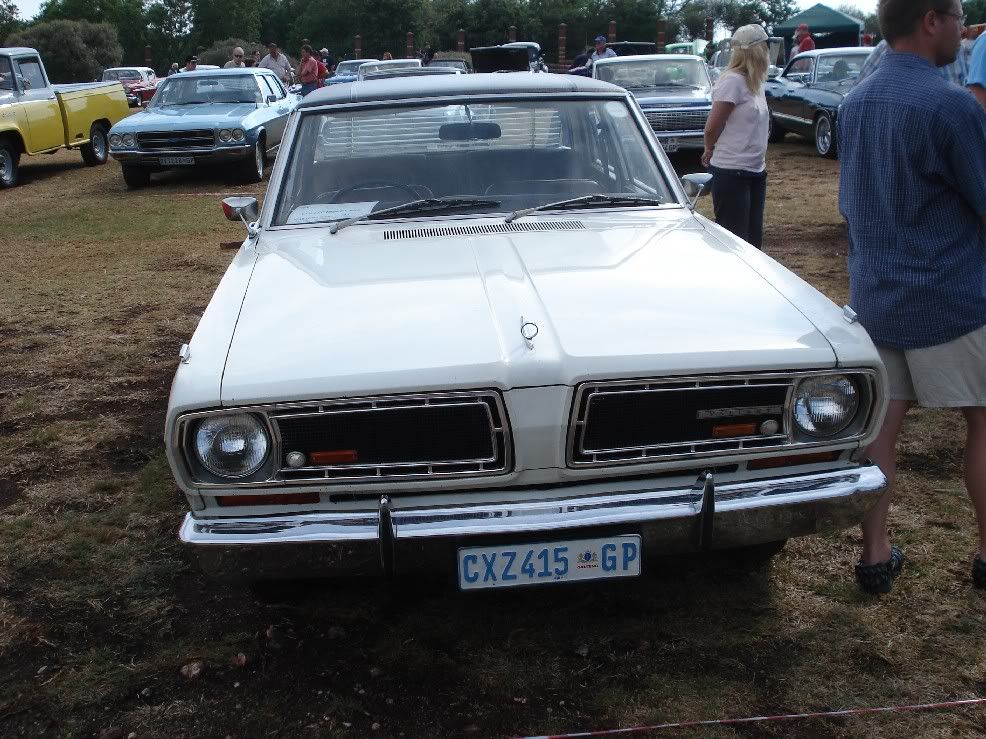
(29, 8)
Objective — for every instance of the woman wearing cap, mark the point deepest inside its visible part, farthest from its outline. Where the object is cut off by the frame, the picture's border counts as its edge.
(736, 137)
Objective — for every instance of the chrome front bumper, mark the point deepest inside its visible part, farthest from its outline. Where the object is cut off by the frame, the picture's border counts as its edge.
(395, 539)
(201, 156)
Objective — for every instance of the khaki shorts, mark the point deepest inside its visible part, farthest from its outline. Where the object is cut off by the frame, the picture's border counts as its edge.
(949, 375)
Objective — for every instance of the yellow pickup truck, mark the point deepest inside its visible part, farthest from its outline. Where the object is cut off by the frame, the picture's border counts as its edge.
(37, 117)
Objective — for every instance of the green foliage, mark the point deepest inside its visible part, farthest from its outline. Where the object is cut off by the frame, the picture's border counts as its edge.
(10, 20)
(871, 24)
(169, 23)
(975, 10)
(126, 16)
(212, 20)
(72, 51)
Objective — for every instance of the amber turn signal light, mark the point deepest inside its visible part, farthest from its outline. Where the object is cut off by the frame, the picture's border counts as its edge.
(773, 462)
(729, 430)
(276, 499)
(336, 456)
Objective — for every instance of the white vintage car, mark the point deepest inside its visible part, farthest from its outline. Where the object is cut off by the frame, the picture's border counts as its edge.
(477, 328)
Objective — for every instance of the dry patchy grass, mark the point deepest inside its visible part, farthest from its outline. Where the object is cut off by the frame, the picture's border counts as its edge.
(99, 609)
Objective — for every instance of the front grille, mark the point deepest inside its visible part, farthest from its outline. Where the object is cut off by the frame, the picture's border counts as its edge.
(174, 140)
(646, 421)
(397, 437)
(677, 120)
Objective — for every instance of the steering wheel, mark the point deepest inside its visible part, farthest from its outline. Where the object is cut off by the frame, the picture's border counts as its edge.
(409, 189)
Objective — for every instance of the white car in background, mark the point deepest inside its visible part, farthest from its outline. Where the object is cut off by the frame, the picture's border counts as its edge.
(371, 68)
(478, 328)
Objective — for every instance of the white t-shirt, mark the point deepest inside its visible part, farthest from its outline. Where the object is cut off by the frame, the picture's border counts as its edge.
(280, 66)
(743, 142)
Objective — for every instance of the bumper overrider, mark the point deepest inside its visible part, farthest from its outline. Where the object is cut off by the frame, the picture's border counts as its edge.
(394, 538)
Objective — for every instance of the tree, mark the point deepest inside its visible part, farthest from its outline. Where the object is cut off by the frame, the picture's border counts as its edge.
(871, 23)
(169, 23)
(213, 21)
(73, 51)
(222, 51)
(126, 16)
(9, 19)
(975, 10)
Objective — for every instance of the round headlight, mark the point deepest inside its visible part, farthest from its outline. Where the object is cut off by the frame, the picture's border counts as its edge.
(115, 139)
(225, 135)
(238, 134)
(824, 406)
(128, 139)
(231, 446)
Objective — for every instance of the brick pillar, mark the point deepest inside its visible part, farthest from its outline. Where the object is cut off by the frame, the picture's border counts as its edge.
(147, 56)
(662, 31)
(358, 46)
(410, 45)
(708, 29)
(562, 39)
(512, 33)
(612, 32)
(460, 41)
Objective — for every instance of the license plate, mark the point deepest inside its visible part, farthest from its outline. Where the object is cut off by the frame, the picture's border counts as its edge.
(670, 145)
(560, 561)
(177, 161)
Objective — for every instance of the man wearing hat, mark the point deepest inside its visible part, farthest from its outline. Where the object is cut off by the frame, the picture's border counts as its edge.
(601, 51)
(803, 39)
(190, 63)
(277, 63)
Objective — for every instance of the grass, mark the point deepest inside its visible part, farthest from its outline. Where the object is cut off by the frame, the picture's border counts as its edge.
(99, 609)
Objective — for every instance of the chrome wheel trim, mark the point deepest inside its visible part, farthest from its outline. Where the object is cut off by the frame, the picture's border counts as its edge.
(823, 135)
(6, 166)
(258, 158)
(99, 143)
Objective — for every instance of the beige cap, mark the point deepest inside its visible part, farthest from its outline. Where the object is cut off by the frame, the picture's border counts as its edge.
(747, 36)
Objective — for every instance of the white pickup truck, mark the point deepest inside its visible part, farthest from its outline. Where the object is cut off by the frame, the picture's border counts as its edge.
(37, 117)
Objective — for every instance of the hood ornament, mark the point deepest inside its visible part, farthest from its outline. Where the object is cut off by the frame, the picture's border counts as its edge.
(528, 329)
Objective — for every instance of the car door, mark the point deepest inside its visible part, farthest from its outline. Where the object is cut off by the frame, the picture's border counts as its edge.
(789, 105)
(278, 108)
(37, 99)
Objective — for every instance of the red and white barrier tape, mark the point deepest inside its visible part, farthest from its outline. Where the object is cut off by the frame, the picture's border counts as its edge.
(785, 717)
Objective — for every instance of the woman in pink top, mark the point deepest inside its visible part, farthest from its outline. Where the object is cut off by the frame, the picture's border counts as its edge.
(307, 70)
(736, 137)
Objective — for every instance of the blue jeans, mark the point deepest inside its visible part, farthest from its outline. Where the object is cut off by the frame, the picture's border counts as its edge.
(738, 197)
(308, 87)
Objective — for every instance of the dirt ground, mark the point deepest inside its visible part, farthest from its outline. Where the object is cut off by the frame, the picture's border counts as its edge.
(100, 610)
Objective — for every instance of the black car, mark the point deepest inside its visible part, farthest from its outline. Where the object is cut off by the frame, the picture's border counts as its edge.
(805, 98)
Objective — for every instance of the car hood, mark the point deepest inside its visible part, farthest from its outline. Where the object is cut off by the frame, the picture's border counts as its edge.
(650, 97)
(176, 117)
(630, 296)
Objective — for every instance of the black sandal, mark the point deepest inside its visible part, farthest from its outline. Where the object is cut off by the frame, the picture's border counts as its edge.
(879, 577)
(979, 573)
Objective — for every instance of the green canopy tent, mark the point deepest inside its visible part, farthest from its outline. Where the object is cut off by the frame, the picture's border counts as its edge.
(829, 27)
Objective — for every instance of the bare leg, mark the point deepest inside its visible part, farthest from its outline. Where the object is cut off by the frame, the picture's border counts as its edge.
(975, 468)
(883, 451)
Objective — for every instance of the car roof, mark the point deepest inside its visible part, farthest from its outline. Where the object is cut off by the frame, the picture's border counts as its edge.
(650, 57)
(18, 50)
(457, 85)
(837, 50)
(231, 72)
(117, 69)
(409, 72)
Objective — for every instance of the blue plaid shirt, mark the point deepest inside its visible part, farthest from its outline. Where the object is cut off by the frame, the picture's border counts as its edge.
(912, 151)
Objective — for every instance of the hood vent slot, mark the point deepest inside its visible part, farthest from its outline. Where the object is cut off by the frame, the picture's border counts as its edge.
(489, 228)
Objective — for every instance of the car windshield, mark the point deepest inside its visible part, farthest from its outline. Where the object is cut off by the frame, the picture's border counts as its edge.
(374, 67)
(839, 67)
(196, 90)
(348, 68)
(111, 75)
(634, 74)
(505, 155)
(451, 63)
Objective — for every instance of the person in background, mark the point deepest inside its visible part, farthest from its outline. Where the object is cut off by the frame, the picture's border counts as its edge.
(580, 60)
(237, 61)
(601, 52)
(387, 55)
(277, 63)
(190, 64)
(736, 137)
(256, 57)
(803, 39)
(173, 69)
(956, 72)
(323, 69)
(307, 71)
(912, 188)
(328, 60)
(976, 78)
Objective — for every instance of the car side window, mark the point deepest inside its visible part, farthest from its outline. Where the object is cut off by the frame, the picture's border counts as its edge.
(29, 69)
(6, 76)
(800, 66)
(275, 84)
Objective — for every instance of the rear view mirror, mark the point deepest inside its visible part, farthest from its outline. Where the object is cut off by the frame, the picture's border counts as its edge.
(242, 209)
(469, 131)
(271, 99)
(696, 185)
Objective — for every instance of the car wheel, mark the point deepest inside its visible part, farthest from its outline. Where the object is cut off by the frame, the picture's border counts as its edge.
(136, 177)
(9, 160)
(256, 165)
(775, 134)
(96, 151)
(825, 136)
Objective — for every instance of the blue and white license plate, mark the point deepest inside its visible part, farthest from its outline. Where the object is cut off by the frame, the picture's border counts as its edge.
(670, 145)
(177, 161)
(559, 561)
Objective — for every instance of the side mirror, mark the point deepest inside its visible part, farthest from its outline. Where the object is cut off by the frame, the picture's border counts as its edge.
(696, 185)
(773, 72)
(271, 99)
(242, 209)
(25, 83)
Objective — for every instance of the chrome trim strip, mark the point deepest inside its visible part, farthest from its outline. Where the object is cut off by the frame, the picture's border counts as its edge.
(296, 409)
(714, 382)
(789, 117)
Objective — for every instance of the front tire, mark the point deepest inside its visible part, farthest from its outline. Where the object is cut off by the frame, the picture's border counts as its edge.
(136, 177)
(825, 143)
(10, 157)
(255, 166)
(97, 150)
(775, 134)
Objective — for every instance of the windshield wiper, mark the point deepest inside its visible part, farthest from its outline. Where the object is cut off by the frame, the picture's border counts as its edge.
(425, 205)
(587, 201)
